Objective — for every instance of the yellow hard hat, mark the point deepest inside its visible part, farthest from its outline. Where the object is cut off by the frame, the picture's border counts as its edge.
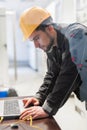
(31, 19)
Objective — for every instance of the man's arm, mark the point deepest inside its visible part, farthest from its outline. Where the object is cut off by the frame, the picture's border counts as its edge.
(48, 83)
(66, 82)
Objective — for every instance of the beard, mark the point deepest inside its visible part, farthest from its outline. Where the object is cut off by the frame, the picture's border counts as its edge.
(50, 45)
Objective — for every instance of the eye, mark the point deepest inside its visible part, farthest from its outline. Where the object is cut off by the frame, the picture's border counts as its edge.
(36, 38)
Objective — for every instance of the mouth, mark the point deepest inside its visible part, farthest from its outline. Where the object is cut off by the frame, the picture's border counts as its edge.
(43, 48)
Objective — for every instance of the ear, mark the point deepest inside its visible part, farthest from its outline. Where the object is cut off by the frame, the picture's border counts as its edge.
(50, 28)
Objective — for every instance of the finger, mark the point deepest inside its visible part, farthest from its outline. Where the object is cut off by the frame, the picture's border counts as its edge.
(27, 103)
(25, 100)
(34, 116)
(36, 103)
(24, 114)
(27, 117)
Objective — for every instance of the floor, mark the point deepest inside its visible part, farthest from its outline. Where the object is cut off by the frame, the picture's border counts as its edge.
(28, 82)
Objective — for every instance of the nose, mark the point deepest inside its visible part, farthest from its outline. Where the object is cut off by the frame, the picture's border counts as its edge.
(36, 44)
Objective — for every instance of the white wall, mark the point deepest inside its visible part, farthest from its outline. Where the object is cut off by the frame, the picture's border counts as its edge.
(3, 49)
(66, 11)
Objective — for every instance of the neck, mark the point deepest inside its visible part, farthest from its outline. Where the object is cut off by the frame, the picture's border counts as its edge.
(55, 38)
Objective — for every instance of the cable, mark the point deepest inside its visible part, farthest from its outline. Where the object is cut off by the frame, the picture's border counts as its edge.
(1, 119)
(23, 121)
(31, 124)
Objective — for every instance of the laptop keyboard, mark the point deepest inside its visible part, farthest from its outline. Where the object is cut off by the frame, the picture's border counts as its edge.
(11, 107)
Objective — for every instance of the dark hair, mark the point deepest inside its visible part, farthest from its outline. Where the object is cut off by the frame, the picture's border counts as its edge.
(45, 24)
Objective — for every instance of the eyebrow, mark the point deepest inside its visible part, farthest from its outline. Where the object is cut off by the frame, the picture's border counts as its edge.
(34, 37)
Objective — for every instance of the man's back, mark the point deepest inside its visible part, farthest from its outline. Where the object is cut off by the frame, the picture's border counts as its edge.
(77, 35)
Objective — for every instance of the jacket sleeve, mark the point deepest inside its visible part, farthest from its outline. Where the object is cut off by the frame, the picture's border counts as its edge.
(48, 82)
(66, 82)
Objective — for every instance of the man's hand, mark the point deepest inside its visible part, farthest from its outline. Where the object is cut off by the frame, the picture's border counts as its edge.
(35, 111)
(31, 100)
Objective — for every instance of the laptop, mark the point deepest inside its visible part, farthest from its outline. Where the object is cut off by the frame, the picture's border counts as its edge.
(11, 108)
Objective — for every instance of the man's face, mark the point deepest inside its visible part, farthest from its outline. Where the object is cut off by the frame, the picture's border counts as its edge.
(42, 38)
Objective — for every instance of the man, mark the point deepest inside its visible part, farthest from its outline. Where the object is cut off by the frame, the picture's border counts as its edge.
(62, 76)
